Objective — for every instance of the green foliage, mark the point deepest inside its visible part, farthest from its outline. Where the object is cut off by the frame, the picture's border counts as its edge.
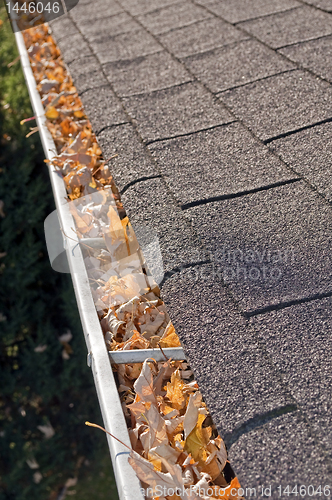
(37, 305)
(97, 482)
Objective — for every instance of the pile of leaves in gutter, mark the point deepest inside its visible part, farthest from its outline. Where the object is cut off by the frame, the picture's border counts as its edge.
(176, 452)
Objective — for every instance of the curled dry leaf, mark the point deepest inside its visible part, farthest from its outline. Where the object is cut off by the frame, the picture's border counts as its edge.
(149, 475)
(144, 384)
(191, 416)
(175, 394)
(170, 338)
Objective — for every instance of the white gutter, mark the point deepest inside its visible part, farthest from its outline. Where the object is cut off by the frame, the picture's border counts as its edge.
(129, 487)
(140, 355)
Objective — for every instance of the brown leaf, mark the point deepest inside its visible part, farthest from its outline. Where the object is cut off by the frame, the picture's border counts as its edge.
(147, 473)
(144, 384)
(175, 391)
(191, 415)
(170, 338)
(156, 433)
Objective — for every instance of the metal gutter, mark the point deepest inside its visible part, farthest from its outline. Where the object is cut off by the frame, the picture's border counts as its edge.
(129, 487)
(140, 355)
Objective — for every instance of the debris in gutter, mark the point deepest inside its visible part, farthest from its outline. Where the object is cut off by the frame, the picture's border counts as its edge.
(176, 452)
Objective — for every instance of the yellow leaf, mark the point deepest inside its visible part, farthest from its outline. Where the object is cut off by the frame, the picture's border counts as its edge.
(125, 223)
(178, 438)
(134, 370)
(156, 462)
(197, 441)
(213, 469)
(117, 228)
(169, 338)
(52, 113)
(175, 391)
(164, 408)
(228, 493)
(79, 114)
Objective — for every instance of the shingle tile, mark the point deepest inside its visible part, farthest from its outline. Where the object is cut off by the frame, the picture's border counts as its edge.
(108, 27)
(136, 7)
(321, 4)
(149, 204)
(279, 453)
(281, 103)
(73, 47)
(235, 376)
(236, 64)
(293, 26)
(314, 55)
(309, 153)
(93, 11)
(272, 246)
(179, 110)
(145, 74)
(223, 161)
(86, 73)
(173, 16)
(131, 162)
(62, 27)
(299, 341)
(126, 46)
(235, 11)
(103, 108)
(200, 37)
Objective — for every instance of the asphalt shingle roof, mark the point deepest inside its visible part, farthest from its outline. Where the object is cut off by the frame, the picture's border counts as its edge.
(219, 112)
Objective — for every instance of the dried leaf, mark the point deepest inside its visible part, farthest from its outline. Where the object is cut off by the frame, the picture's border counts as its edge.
(51, 113)
(147, 473)
(197, 440)
(165, 372)
(156, 434)
(170, 338)
(175, 391)
(191, 416)
(167, 452)
(221, 454)
(144, 384)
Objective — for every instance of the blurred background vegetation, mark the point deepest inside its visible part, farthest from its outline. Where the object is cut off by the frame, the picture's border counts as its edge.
(46, 385)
